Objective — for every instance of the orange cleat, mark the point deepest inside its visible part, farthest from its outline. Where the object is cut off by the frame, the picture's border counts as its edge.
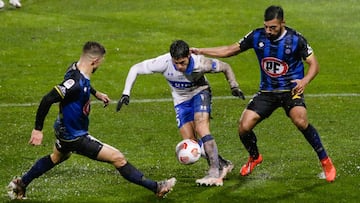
(250, 165)
(329, 169)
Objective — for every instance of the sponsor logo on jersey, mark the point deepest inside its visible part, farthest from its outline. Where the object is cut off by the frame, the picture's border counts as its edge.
(274, 67)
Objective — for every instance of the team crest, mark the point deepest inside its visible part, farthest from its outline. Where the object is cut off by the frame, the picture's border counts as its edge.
(69, 83)
(274, 67)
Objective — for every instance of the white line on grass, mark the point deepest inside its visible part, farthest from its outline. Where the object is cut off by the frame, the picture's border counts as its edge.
(170, 99)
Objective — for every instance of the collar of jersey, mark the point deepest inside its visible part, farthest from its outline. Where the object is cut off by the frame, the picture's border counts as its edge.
(190, 67)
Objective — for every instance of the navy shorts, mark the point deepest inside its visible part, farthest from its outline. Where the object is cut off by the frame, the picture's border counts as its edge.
(85, 145)
(265, 103)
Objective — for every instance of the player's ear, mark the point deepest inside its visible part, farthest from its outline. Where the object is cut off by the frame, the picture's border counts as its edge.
(96, 60)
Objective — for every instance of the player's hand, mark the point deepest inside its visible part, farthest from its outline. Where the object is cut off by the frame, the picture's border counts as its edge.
(194, 50)
(125, 99)
(103, 97)
(235, 91)
(36, 137)
(300, 86)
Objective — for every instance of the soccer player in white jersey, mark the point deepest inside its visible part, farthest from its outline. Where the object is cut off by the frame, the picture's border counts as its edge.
(191, 94)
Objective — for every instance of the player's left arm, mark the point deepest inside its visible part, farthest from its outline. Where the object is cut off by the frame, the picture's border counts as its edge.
(313, 68)
(215, 66)
(52, 97)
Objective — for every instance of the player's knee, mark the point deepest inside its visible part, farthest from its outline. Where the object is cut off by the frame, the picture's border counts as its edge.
(301, 124)
(118, 159)
(58, 158)
(243, 128)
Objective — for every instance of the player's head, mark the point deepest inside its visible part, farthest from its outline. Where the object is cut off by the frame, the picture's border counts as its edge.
(274, 23)
(95, 53)
(180, 54)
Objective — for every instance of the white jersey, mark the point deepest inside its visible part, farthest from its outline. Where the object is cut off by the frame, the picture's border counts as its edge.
(184, 85)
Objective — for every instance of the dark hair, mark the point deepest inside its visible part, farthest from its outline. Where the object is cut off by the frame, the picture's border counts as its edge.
(94, 49)
(273, 12)
(179, 49)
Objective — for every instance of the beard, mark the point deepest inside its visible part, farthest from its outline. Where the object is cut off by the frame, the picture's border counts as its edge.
(273, 37)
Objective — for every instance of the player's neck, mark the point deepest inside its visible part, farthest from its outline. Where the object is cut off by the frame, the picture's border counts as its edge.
(85, 69)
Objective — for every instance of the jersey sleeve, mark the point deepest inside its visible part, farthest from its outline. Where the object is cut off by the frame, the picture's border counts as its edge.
(68, 88)
(52, 97)
(304, 49)
(246, 42)
(149, 66)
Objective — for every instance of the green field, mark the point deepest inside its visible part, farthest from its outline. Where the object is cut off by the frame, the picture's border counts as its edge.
(40, 40)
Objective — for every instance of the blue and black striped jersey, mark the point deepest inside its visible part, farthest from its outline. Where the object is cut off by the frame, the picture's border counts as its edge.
(280, 60)
(75, 104)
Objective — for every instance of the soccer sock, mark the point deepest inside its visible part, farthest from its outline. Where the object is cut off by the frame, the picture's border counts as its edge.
(312, 136)
(249, 141)
(211, 151)
(40, 167)
(132, 174)
(222, 162)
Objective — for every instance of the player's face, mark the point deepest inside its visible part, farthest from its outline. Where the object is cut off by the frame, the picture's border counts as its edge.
(181, 63)
(97, 63)
(274, 28)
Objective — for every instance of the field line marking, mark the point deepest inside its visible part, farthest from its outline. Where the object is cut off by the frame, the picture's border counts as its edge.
(170, 99)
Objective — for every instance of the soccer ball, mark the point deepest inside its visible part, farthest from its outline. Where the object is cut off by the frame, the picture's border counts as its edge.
(188, 151)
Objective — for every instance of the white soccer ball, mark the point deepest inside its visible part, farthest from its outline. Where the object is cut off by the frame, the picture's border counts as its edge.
(188, 151)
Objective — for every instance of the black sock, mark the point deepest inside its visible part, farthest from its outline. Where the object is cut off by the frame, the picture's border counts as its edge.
(132, 174)
(40, 167)
(312, 136)
(249, 141)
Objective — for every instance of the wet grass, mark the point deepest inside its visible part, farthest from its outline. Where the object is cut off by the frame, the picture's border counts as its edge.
(41, 39)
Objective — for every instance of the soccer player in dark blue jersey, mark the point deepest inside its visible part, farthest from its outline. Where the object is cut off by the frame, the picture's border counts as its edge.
(71, 128)
(280, 52)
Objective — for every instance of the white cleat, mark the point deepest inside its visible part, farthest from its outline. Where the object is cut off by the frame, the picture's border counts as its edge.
(165, 186)
(15, 3)
(226, 169)
(16, 189)
(209, 181)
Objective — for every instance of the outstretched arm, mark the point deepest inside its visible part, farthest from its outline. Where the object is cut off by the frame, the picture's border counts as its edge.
(215, 65)
(230, 77)
(221, 51)
(145, 67)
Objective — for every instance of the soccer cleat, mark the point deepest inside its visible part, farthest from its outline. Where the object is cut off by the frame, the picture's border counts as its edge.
(209, 181)
(16, 189)
(15, 3)
(164, 187)
(250, 165)
(227, 168)
(329, 169)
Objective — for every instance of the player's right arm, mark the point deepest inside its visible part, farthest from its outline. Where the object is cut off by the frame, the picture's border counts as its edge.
(149, 66)
(221, 51)
(52, 97)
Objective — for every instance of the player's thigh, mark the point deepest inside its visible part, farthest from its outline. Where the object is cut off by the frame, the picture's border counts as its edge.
(187, 131)
(202, 123)
(112, 155)
(248, 120)
(184, 113)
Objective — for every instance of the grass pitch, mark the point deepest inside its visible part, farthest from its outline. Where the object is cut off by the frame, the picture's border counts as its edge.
(42, 38)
